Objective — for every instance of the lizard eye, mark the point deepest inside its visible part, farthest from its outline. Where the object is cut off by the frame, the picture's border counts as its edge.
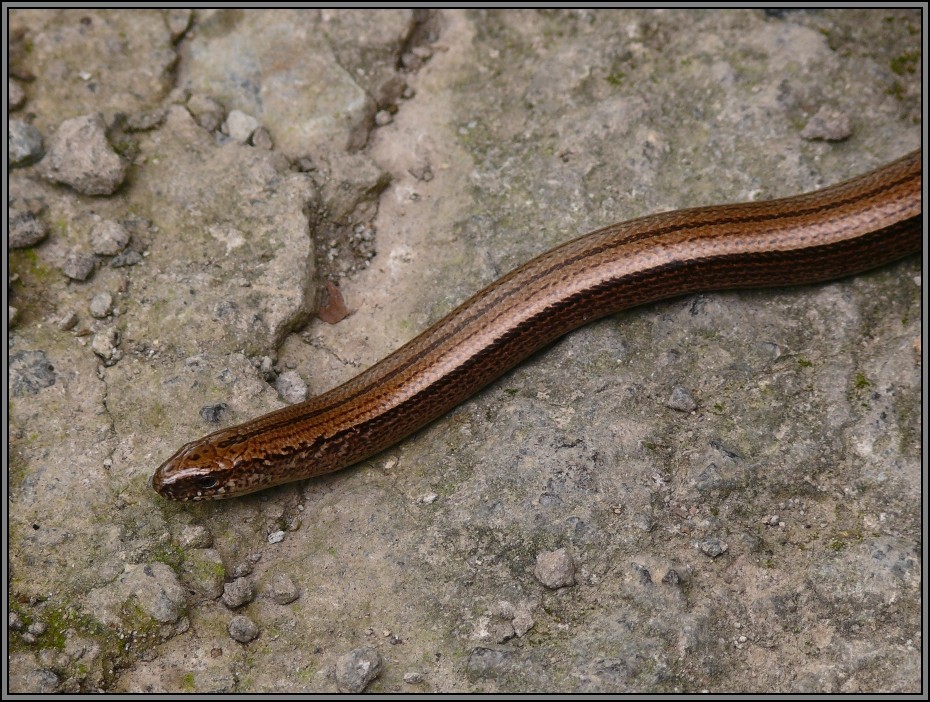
(208, 482)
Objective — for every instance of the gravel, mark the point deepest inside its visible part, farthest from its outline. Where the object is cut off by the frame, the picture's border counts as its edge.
(78, 266)
(238, 592)
(681, 400)
(283, 590)
(240, 126)
(80, 156)
(291, 387)
(108, 238)
(555, 569)
(24, 142)
(356, 669)
(101, 305)
(243, 629)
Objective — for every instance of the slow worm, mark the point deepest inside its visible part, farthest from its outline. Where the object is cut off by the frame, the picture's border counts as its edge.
(844, 229)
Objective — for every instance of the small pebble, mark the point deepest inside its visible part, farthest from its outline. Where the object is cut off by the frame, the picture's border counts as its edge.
(25, 228)
(671, 577)
(291, 387)
(37, 628)
(79, 155)
(239, 126)
(213, 413)
(681, 400)
(16, 93)
(239, 592)
(283, 590)
(383, 117)
(24, 143)
(67, 320)
(429, 498)
(408, 93)
(356, 669)
(275, 537)
(413, 678)
(243, 629)
(105, 345)
(555, 569)
(828, 124)
(108, 238)
(126, 258)
(28, 638)
(15, 621)
(261, 139)
(100, 305)
(11, 314)
(78, 266)
(713, 547)
(240, 570)
(207, 112)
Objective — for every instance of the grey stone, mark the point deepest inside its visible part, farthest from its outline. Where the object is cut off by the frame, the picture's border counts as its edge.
(829, 125)
(243, 629)
(14, 621)
(238, 592)
(78, 266)
(105, 345)
(713, 547)
(283, 590)
(67, 320)
(26, 225)
(239, 126)
(12, 315)
(80, 156)
(24, 143)
(356, 669)
(37, 628)
(101, 305)
(383, 118)
(681, 400)
(126, 258)
(555, 569)
(291, 387)
(413, 678)
(29, 372)
(108, 238)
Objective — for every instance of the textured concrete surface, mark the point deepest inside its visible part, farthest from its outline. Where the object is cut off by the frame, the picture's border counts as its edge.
(719, 492)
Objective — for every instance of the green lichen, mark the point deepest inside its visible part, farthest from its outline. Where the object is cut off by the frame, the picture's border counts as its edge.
(804, 363)
(905, 63)
(862, 382)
